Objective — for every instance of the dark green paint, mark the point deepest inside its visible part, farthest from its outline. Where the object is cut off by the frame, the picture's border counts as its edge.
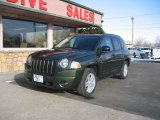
(106, 63)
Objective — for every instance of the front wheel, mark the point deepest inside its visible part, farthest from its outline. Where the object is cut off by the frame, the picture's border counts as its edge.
(88, 83)
(124, 71)
(142, 56)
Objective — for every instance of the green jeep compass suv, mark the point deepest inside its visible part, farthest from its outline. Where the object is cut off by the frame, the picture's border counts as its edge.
(76, 62)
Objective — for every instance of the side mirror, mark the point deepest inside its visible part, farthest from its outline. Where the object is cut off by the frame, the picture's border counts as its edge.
(106, 48)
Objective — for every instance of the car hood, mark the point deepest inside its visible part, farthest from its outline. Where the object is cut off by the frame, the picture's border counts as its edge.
(57, 54)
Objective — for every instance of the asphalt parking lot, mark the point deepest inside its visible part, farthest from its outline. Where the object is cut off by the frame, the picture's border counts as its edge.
(138, 94)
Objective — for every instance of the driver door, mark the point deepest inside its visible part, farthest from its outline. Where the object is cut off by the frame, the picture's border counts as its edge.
(106, 62)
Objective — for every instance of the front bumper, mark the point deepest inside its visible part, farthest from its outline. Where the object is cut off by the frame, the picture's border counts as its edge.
(66, 79)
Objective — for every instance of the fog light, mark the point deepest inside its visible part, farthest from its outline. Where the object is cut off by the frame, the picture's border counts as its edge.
(63, 84)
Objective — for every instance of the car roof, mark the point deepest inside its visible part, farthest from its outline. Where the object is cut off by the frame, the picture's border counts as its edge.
(90, 35)
(100, 35)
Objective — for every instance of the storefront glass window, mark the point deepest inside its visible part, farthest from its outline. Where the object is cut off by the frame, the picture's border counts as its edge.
(60, 33)
(24, 34)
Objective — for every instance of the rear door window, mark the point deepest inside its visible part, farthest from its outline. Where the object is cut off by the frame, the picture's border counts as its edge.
(116, 43)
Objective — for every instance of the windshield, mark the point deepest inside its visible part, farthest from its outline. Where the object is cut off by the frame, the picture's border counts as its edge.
(79, 42)
(145, 48)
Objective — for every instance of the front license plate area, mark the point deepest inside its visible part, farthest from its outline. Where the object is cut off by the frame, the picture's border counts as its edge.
(38, 78)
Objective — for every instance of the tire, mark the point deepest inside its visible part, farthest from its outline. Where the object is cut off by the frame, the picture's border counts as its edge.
(124, 71)
(142, 56)
(134, 55)
(88, 83)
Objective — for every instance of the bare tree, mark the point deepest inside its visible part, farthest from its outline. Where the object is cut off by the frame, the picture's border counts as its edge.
(147, 44)
(139, 42)
(157, 41)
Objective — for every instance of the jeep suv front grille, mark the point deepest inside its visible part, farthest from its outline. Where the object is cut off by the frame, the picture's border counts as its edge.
(43, 66)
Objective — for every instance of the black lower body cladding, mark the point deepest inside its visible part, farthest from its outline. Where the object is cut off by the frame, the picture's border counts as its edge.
(66, 79)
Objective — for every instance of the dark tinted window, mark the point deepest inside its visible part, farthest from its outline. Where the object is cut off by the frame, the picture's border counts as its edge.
(79, 42)
(107, 42)
(86, 42)
(24, 34)
(116, 43)
(139, 49)
(145, 49)
(123, 44)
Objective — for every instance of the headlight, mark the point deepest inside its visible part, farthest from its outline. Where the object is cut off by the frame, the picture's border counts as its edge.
(29, 60)
(75, 65)
(63, 63)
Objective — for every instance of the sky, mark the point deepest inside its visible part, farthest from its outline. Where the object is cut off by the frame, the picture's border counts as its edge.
(118, 13)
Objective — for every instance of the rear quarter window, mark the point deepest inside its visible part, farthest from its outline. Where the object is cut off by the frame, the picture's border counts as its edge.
(123, 44)
(116, 43)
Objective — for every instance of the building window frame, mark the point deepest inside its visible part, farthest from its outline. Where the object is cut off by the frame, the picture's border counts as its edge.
(49, 39)
(63, 26)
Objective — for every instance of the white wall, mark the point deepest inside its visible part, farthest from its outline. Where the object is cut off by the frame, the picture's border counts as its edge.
(50, 35)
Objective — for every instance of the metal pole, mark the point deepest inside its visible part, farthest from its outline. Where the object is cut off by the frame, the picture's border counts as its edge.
(132, 18)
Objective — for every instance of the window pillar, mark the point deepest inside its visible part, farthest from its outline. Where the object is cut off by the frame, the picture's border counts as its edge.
(76, 29)
(1, 33)
(50, 35)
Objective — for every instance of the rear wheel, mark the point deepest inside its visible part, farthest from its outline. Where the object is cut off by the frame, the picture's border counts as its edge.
(124, 71)
(134, 55)
(88, 83)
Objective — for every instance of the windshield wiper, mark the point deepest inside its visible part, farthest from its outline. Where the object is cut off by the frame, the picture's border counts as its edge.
(76, 48)
(68, 47)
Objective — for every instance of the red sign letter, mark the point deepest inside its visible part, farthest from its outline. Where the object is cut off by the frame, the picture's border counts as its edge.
(91, 17)
(76, 13)
(42, 3)
(81, 14)
(13, 1)
(32, 3)
(69, 10)
(86, 15)
(22, 2)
